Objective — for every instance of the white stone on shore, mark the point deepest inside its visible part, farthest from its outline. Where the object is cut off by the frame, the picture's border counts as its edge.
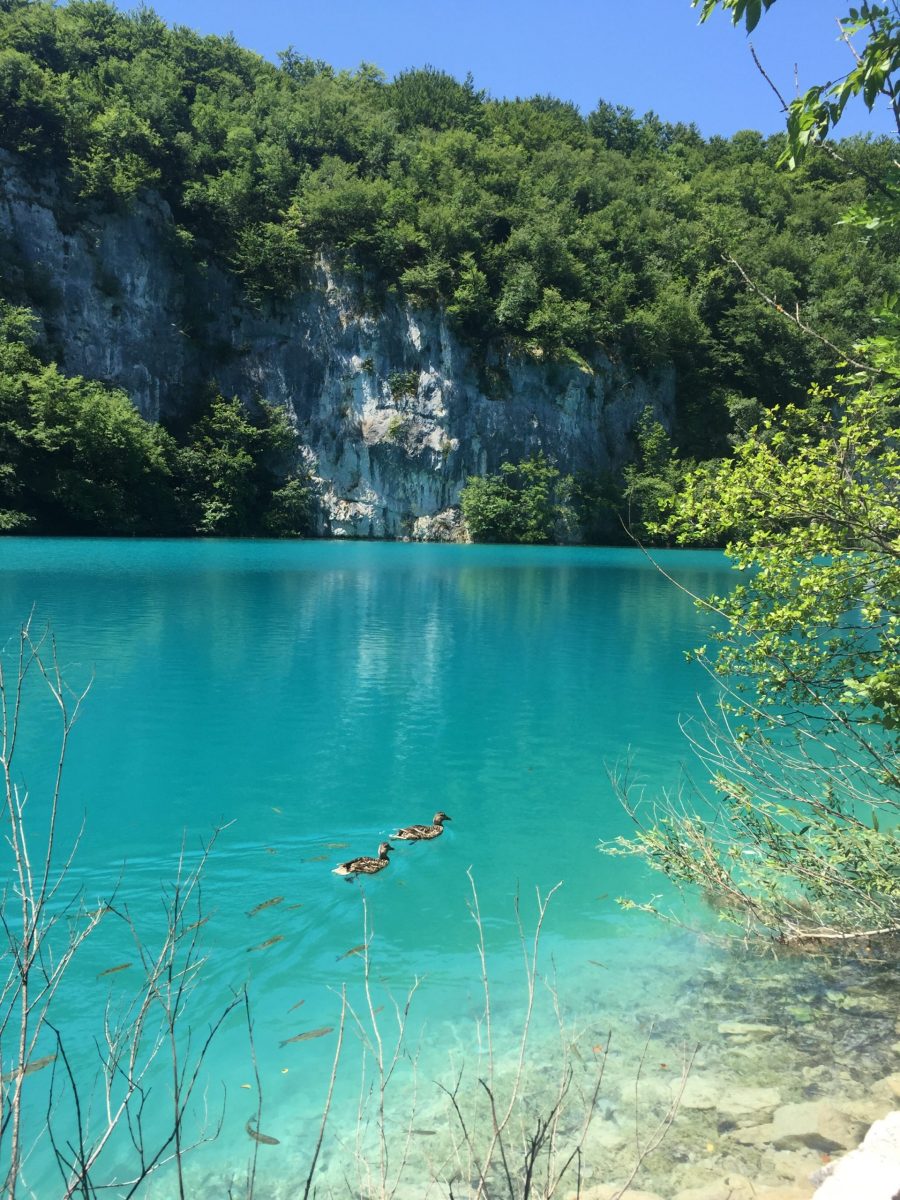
(872, 1171)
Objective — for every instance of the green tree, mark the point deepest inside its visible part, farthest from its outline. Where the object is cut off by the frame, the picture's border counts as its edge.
(653, 481)
(805, 755)
(231, 473)
(75, 456)
(522, 502)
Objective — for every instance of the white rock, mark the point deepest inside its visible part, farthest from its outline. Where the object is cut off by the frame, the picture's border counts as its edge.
(872, 1172)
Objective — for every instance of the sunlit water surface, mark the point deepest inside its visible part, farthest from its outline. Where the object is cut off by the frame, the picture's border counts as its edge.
(308, 698)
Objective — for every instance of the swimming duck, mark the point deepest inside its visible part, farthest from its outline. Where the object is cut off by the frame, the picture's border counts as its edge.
(423, 833)
(365, 866)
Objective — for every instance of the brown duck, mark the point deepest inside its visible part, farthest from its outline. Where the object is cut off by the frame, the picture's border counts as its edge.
(365, 866)
(423, 833)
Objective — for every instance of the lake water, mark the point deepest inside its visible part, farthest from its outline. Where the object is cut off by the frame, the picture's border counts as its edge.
(311, 697)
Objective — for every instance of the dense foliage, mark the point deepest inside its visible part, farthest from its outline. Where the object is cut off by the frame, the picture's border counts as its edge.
(537, 227)
(76, 457)
(523, 502)
(804, 754)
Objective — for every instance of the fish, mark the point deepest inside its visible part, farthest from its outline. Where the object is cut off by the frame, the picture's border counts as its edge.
(265, 904)
(248, 1086)
(305, 1037)
(424, 1132)
(36, 1064)
(318, 858)
(276, 809)
(270, 850)
(196, 924)
(593, 962)
(268, 942)
(112, 970)
(336, 845)
(263, 1138)
(376, 1011)
(297, 1005)
(96, 913)
(353, 950)
(290, 906)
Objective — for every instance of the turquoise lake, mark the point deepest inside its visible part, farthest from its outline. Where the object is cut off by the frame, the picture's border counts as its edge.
(310, 698)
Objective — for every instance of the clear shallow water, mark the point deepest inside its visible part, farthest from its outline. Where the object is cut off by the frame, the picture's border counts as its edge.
(306, 694)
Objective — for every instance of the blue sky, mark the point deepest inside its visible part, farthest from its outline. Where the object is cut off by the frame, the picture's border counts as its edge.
(642, 53)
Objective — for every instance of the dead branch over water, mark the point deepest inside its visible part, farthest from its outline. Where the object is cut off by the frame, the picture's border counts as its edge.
(97, 1121)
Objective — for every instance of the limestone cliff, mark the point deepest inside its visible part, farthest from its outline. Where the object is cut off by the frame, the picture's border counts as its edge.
(392, 409)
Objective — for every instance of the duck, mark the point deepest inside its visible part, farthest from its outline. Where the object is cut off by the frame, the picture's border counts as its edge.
(423, 833)
(365, 866)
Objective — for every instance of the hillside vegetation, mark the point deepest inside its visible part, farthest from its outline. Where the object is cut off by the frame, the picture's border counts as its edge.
(541, 230)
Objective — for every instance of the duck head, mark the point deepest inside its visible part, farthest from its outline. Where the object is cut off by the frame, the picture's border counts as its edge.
(383, 849)
(440, 818)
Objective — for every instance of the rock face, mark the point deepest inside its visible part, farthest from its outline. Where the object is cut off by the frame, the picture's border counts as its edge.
(392, 410)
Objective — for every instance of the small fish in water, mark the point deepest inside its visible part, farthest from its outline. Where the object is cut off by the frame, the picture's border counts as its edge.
(424, 1132)
(297, 1005)
(305, 1037)
(599, 1049)
(664, 1066)
(276, 809)
(317, 858)
(376, 1011)
(96, 913)
(593, 962)
(290, 906)
(196, 924)
(112, 970)
(605, 896)
(248, 1086)
(270, 850)
(336, 845)
(268, 942)
(353, 950)
(36, 1064)
(265, 904)
(262, 1138)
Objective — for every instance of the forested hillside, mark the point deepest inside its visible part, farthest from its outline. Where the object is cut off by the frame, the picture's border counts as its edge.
(538, 229)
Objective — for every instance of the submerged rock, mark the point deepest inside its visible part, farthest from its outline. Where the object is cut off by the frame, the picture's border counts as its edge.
(743, 1029)
(609, 1191)
(817, 1124)
(747, 1105)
